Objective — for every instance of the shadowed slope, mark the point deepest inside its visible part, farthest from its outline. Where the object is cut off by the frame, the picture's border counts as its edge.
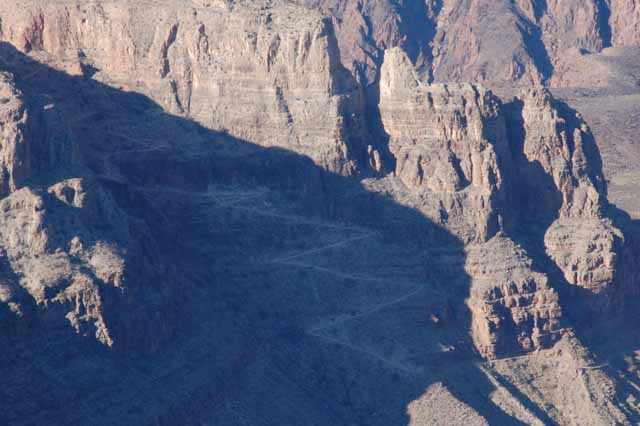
(301, 295)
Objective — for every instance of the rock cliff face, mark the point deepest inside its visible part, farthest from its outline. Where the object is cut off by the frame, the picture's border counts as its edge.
(560, 173)
(624, 20)
(526, 41)
(513, 309)
(279, 65)
(66, 243)
(278, 196)
(461, 154)
(451, 150)
(556, 158)
(447, 140)
(479, 167)
(16, 140)
(366, 28)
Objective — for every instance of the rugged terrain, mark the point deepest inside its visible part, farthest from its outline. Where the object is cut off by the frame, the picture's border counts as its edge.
(362, 212)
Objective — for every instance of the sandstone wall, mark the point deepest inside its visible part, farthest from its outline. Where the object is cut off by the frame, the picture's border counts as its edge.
(494, 173)
(267, 75)
(447, 140)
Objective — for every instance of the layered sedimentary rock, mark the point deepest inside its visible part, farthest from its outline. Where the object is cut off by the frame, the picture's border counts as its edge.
(16, 142)
(529, 168)
(291, 278)
(275, 77)
(451, 149)
(452, 40)
(526, 41)
(573, 24)
(559, 170)
(294, 73)
(485, 41)
(556, 156)
(523, 42)
(366, 28)
(513, 308)
(266, 74)
(180, 62)
(447, 140)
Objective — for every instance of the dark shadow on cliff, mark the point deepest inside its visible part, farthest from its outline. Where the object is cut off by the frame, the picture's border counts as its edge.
(419, 19)
(242, 341)
(416, 21)
(537, 203)
(595, 318)
(613, 337)
(410, 25)
(539, 8)
(604, 26)
(533, 44)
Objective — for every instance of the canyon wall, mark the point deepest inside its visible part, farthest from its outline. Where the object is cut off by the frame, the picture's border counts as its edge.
(496, 174)
(268, 75)
(526, 41)
(280, 75)
(70, 254)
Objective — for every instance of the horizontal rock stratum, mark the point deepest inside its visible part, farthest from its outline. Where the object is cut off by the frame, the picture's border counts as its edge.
(318, 212)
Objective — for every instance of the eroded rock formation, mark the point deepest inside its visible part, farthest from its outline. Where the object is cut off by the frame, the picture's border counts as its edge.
(447, 140)
(16, 140)
(232, 211)
(479, 167)
(624, 19)
(560, 174)
(279, 65)
(65, 242)
(526, 41)
(514, 309)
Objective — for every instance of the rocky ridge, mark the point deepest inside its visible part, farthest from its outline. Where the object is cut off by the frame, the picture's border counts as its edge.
(527, 41)
(458, 151)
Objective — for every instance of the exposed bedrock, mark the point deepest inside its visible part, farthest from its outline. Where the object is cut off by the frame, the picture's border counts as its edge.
(272, 74)
(514, 309)
(561, 189)
(624, 20)
(528, 171)
(447, 141)
(268, 75)
(523, 41)
(69, 255)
